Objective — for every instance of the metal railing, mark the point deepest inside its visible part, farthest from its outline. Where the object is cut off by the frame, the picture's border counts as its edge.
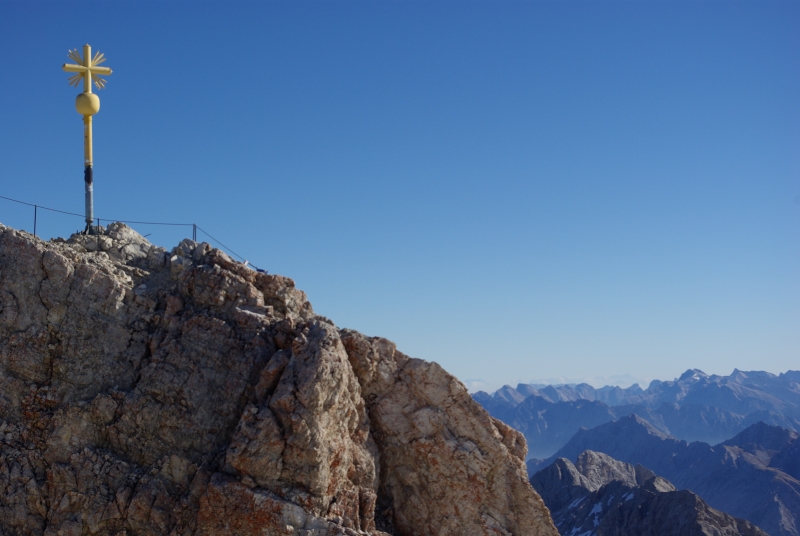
(194, 226)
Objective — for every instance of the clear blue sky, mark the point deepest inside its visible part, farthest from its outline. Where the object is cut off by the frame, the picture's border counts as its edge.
(515, 190)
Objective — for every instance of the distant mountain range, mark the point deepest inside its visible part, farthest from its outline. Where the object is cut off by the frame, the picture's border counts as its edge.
(754, 475)
(694, 407)
(600, 495)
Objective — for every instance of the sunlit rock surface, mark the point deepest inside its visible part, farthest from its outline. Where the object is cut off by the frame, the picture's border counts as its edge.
(154, 392)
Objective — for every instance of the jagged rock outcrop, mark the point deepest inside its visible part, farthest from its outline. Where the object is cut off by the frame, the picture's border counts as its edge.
(737, 477)
(603, 496)
(152, 392)
(441, 464)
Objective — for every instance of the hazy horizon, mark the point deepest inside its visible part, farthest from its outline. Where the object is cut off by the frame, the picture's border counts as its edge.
(619, 380)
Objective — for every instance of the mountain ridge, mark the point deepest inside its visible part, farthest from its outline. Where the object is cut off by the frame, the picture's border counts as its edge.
(600, 495)
(659, 391)
(694, 407)
(736, 477)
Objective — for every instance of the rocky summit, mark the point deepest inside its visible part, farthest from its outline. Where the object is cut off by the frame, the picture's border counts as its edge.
(147, 392)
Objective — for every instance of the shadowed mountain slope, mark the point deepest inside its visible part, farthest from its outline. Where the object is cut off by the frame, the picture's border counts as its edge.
(603, 496)
(736, 477)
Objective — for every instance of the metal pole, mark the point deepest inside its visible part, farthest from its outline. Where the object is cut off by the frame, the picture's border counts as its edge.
(88, 178)
(35, 210)
(194, 232)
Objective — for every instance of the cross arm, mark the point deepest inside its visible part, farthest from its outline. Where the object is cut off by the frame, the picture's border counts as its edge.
(72, 68)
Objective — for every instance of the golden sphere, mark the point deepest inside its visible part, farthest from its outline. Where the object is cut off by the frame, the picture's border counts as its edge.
(87, 103)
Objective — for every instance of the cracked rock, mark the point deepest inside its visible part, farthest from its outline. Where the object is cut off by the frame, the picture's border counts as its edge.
(146, 393)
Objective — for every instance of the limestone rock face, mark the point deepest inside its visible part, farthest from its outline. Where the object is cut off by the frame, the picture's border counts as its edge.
(152, 392)
(447, 467)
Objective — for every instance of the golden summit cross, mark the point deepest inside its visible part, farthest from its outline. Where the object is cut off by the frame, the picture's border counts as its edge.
(87, 68)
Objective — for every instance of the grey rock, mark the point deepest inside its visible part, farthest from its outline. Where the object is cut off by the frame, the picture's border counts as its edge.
(150, 393)
(603, 496)
(737, 477)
